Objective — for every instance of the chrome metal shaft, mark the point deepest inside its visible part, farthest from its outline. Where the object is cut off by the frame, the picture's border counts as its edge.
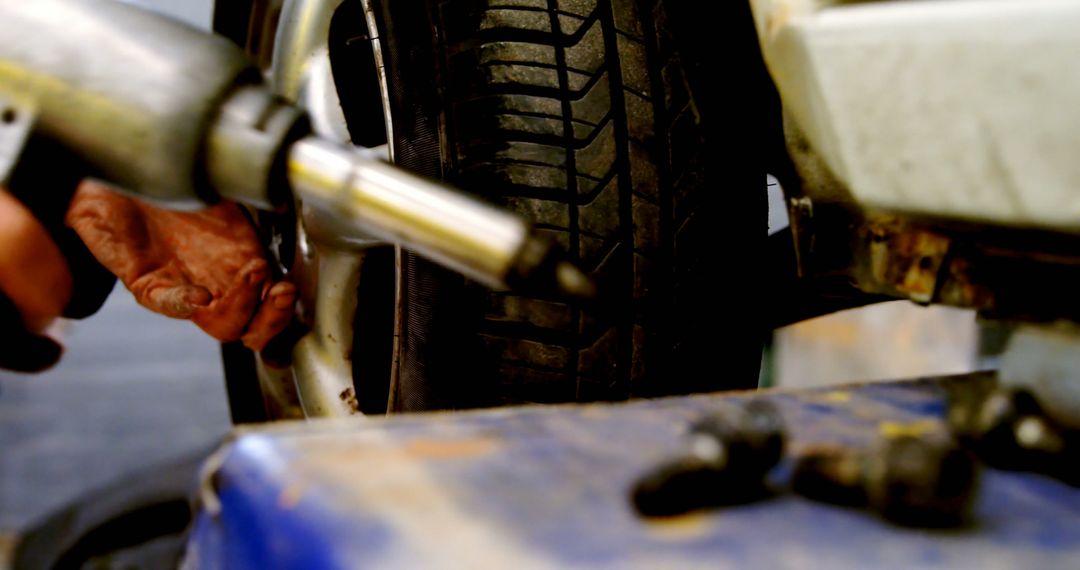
(362, 195)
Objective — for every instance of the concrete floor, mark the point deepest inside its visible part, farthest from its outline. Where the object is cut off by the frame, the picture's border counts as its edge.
(133, 389)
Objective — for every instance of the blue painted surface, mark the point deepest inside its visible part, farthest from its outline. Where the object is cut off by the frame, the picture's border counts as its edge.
(547, 487)
(256, 487)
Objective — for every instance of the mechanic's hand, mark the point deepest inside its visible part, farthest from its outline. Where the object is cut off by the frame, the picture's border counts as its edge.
(36, 286)
(206, 266)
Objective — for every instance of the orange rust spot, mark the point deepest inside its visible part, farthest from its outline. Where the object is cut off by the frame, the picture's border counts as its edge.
(348, 395)
(449, 449)
(290, 496)
(682, 527)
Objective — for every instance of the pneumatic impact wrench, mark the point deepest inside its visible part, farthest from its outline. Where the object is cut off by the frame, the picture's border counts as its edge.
(181, 117)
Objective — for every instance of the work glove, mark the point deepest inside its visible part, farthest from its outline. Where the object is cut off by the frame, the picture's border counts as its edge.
(206, 266)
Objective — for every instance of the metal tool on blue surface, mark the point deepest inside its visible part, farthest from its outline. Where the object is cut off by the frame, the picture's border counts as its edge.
(728, 456)
(911, 480)
(546, 488)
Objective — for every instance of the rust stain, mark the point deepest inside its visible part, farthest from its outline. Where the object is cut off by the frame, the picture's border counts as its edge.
(684, 527)
(291, 496)
(960, 288)
(924, 252)
(450, 449)
(903, 258)
(348, 395)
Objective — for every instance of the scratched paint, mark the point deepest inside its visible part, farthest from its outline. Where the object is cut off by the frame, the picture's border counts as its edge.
(547, 488)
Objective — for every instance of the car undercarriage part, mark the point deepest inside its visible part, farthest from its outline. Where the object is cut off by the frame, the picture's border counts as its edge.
(178, 116)
(929, 155)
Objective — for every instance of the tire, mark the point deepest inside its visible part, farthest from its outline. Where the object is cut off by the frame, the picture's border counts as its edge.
(587, 117)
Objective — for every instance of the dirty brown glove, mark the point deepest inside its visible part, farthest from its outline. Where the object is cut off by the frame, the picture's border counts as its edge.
(205, 266)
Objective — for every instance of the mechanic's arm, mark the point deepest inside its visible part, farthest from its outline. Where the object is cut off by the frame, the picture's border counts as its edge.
(36, 286)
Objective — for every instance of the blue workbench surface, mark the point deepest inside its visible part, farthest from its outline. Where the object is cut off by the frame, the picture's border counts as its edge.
(547, 488)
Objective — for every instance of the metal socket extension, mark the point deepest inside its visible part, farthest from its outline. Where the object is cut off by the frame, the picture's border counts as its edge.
(454, 229)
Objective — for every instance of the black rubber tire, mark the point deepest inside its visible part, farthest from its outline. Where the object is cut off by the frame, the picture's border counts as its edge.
(588, 117)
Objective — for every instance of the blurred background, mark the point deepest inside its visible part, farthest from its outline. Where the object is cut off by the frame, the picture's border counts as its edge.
(133, 389)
